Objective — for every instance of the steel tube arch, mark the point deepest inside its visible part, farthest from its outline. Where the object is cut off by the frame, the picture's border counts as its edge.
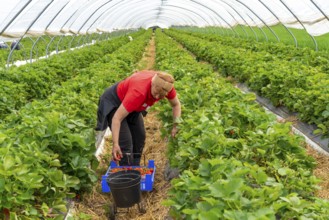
(260, 20)
(48, 45)
(276, 36)
(118, 11)
(132, 14)
(11, 52)
(159, 17)
(314, 41)
(322, 12)
(218, 16)
(129, 21)
(265, 35)
(14, 17)
(229, 4)
(293, 36)
(31, 51)
(240, 17)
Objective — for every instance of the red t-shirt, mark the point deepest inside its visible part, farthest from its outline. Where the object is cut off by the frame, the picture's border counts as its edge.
(135, 91)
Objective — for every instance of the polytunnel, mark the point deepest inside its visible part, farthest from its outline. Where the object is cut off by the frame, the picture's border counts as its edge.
(164, 109)
(32, 18)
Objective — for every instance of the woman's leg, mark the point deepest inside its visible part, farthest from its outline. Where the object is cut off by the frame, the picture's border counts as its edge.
(125, 142)
(137, 131)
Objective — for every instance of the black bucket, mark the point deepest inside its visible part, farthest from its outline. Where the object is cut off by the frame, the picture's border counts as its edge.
(125, 187)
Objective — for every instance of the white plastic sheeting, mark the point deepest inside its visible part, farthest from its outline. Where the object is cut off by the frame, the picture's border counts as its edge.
(54, 17)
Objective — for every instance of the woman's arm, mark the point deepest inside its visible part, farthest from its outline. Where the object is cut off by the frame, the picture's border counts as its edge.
(118, 116)
(176, 111)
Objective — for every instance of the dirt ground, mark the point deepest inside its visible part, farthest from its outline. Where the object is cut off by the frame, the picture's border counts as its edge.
(321, 171)
(96, 205)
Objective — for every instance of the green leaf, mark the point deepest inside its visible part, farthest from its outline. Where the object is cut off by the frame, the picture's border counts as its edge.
(168, 202)
(2, 184)
(210, 200)
(193, 151)
(33, 211)
(45, 209)
(208, 216)
(203, 118)
(283, 171)
(295, 201)
(325, 114)
(259, 175)
(203, 206)
(226, 188)
(23, 169)
(2, 138)
(190, 211)
(8, 162)
(204, 168)
(60, 207)
(55, 163)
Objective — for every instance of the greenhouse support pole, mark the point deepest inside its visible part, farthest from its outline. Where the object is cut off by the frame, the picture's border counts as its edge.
(234, 32)
(276, 36)
(256, 36)
(72, 40)
(324, 14)
(11, 52)
(293, 36)
(81, 36)
(55, 16)
(169, 6)
(99, 38)
(236, 22)
(252, 30)
(47, 48)
(31, 51)
(314, 41)
(219, 29)
(260, 28)
(104, 35)
(132, 20)
(86, 40)
(191, 12)
(75, 12)
(85, 22)
(245, 32)
(17, 14)
(57, 46)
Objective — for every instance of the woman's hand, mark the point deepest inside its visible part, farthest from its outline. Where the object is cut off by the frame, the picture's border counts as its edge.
(174, 131)
(116, 153)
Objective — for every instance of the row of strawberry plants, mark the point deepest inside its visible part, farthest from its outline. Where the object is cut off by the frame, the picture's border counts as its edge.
(300, 88)
(48, 146)
(19, 85)
(237, 162)
(306, 56)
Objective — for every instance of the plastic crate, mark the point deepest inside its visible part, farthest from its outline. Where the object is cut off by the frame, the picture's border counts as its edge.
(146, 183)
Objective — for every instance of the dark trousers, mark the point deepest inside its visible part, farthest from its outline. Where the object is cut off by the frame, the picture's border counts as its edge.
(131, 138)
